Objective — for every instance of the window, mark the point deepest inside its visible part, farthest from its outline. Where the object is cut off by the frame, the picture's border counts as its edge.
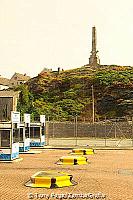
(43, 129)
(21, 134)
(5, 138)
(35, 132)
(27, 132)
(16, 133)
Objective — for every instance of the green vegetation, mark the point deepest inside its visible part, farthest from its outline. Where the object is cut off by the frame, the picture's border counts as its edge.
(67, 94)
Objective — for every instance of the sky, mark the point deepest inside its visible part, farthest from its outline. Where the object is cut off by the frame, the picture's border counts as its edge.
(57, 33)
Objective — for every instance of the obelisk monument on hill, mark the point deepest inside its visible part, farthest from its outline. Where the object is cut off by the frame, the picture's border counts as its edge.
(94, 60)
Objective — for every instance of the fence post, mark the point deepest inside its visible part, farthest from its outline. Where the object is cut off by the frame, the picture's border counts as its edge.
(132, 131)
(95, 130)
(74, 127)
(105, 132)
(76, 130)
(53, 129)
(47, 132)
(115, 130)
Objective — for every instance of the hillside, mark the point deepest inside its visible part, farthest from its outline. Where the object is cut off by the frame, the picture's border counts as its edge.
(68, 93)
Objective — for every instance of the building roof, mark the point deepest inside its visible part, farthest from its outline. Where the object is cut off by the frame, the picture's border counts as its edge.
(20, 77)
(4, 81)
(9, 93)
(45, 70)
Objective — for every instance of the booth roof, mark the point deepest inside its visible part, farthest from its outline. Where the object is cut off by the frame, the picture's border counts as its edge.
(9, 93)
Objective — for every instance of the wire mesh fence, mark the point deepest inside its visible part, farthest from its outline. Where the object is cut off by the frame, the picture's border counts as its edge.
(103, 133)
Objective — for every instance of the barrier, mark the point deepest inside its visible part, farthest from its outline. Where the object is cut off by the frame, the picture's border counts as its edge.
(82, 151)
(72, 160)
(50, 179)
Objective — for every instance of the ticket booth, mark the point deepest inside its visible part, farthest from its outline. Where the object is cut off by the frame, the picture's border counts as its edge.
(24, 143)
(37, 133)
(9, 138)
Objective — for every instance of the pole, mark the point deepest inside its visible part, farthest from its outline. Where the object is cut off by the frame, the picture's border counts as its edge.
(93, 105)
(115, 129)
(132, 131)
(47, 132)
(76, 130)
(53, 128)
(105, 133)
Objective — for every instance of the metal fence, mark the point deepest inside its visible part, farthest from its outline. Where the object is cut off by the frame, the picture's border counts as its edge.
(105, 133)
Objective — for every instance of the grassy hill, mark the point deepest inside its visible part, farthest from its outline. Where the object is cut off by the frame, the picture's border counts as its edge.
(68, 93)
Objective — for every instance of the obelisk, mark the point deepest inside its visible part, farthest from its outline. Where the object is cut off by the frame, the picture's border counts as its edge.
(94, 60)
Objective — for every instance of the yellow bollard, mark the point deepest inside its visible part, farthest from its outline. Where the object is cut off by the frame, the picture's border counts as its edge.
(82, 151)
(50, 179)
(72, 160)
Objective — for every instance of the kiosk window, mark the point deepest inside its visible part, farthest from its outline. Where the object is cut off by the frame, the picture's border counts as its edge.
(21, 134)
(43, 129)
(27, 132)
(16, 133)
(35, 132)
(5, 138)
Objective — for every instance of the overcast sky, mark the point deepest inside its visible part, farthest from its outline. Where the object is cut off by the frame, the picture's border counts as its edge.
(57, 33)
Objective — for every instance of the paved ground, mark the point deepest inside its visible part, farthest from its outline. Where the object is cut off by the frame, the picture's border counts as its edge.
(110, 172)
